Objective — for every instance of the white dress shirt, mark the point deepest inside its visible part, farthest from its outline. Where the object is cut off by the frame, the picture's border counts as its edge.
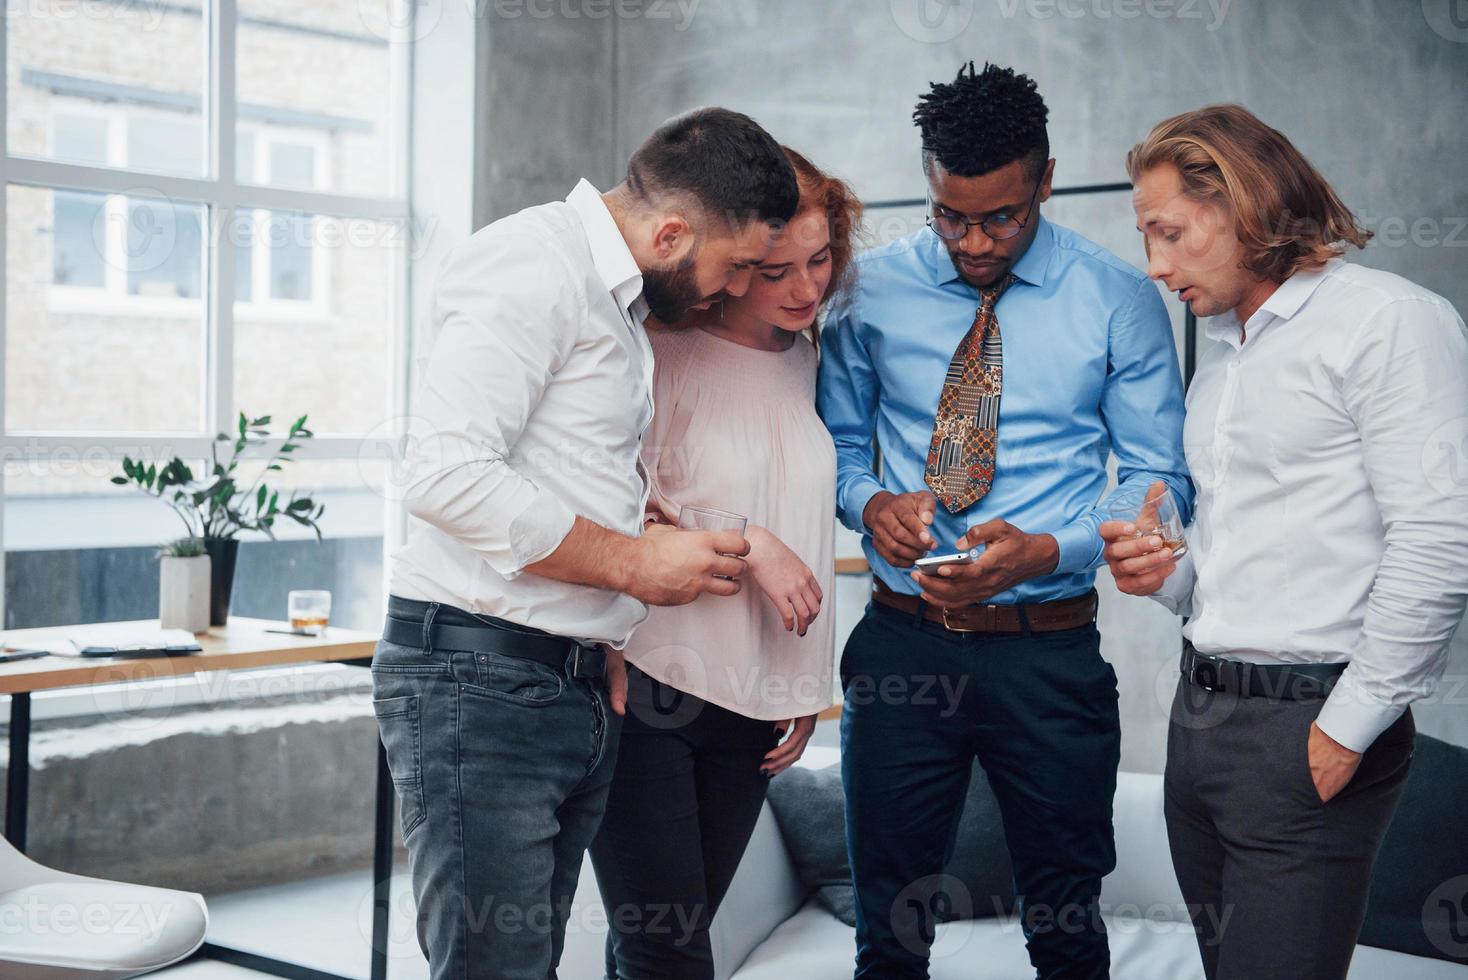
(533, 401)
(1331, 522)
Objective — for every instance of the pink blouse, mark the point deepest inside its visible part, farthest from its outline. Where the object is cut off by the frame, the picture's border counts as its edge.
(735, 428)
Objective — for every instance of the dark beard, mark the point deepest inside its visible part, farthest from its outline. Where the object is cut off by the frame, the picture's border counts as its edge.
(670, 295)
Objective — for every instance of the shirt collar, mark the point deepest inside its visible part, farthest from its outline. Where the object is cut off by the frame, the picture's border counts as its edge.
(1282, 304)
(1286, 301)
(1032, 267)
(609, 253)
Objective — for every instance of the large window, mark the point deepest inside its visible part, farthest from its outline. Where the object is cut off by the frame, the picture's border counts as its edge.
(204, 212)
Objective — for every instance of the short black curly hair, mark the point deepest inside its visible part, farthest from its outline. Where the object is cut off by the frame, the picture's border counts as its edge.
(983, 120)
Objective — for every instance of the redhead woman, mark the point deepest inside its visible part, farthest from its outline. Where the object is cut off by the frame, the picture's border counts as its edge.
(723, 695)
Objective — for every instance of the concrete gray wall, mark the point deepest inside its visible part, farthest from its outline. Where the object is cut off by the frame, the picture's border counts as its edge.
(1372, 92)
(545, 107)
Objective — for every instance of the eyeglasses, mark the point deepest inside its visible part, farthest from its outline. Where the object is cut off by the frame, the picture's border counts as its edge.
(998, 226)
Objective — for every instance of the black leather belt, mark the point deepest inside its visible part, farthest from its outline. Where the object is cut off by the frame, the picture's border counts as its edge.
(558, 652)
(1290, 682)
(1039, 617)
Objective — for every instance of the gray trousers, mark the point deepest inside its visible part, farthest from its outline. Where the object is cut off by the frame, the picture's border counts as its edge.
(1275, 881)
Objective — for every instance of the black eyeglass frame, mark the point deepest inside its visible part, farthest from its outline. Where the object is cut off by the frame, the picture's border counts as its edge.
(983, 222)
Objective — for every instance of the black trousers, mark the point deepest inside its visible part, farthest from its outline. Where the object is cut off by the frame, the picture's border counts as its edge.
(1039, 711)
(685, 797)
(1275, 881)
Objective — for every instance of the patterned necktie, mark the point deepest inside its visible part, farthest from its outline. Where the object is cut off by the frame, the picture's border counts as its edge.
(960, 467)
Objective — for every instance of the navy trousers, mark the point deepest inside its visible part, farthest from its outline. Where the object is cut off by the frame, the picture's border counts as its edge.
(1039, 712)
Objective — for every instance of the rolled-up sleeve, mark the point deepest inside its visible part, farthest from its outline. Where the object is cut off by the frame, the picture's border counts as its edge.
(846, 398)
(506, 321)
(1407, 391)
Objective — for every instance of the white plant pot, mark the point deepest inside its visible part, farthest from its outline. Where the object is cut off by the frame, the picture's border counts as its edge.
(183, 593)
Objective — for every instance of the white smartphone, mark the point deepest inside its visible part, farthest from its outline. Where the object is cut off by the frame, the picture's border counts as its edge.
(958, 558)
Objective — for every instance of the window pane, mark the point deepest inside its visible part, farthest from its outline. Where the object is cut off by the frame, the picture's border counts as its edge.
(165, 144)
(290, 254)
(328, 355)
(322, 71)
(243, 237)
(126, 359)
(163, 249)
(117, 62)
(292, 165)
(77, 223)
(79, 549)
(80, 139)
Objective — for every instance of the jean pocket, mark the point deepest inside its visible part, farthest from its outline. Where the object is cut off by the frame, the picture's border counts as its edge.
(514, 679)
(399, 724)
(394, 658)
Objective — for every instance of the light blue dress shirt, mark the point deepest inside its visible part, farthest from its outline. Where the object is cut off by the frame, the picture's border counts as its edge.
(1090, 370)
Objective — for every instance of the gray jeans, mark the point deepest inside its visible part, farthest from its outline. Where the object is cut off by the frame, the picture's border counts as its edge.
(501, 767)
(1275, 881)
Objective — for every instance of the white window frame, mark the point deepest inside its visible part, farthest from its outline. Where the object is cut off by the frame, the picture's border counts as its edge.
(113, 298)
(222, 195)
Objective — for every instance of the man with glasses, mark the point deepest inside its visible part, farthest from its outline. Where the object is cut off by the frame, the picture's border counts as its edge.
(997, 440)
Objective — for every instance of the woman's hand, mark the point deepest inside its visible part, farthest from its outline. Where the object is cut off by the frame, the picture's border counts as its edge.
(784, 578)
(788, 752)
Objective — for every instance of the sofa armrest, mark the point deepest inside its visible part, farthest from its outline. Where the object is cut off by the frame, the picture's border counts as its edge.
(765, 892)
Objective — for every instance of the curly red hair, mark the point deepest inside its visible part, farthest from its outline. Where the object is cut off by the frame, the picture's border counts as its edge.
(821, 192)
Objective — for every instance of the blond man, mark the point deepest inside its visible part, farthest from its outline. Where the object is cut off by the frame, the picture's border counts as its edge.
(1327, 565)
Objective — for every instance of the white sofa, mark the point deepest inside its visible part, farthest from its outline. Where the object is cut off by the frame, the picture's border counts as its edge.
(768, 930)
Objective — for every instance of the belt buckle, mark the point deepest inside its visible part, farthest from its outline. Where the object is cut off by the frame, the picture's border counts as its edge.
(943, 610)
(1204, 672)
(588, 661)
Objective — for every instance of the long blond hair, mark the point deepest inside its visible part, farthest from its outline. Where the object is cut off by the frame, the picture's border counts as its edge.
(1285, 213)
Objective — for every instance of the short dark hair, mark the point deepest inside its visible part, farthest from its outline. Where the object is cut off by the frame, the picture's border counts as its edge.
(982, 121)
(723, 159)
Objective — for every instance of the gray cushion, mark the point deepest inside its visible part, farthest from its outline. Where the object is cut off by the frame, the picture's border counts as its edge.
(1419, 887)
(809, 808)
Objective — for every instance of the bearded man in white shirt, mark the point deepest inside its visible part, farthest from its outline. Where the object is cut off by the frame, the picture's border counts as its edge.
(499, 685)
(1327, 565)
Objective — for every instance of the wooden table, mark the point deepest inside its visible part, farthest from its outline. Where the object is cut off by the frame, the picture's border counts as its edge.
(242, 644)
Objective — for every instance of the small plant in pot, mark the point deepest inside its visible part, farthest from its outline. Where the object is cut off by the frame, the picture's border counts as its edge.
(183, 585)
(216, 508)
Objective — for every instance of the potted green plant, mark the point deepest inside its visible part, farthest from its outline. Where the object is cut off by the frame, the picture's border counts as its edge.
(183, 585)
(218, 507)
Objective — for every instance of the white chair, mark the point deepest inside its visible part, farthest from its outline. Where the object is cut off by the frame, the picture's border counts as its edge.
(59, 926)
